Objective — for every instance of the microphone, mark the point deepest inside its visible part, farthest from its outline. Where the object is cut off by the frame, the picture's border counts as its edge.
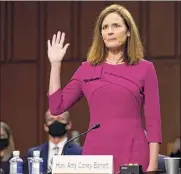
(83, 133)
(95, 126)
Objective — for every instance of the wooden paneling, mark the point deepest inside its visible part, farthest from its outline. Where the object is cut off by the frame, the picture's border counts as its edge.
(41, 71)
(168, 72)
(59, 18)
(89, 12)
(2, 30)
(24, 30)
(161, 29)
(18, 103)
(134, 8)
(9, 32)
(177, 26)
(144, 28)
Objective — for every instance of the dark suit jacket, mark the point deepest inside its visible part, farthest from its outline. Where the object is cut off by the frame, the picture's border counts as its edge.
(70, 149)
(4, 165)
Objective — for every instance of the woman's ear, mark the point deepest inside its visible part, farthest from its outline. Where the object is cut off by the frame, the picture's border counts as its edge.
(69, 125)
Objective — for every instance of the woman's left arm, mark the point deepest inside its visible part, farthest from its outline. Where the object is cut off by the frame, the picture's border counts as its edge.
(152, 115)
(154, 152)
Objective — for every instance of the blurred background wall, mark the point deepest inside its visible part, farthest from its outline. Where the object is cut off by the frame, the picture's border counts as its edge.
(24, 67)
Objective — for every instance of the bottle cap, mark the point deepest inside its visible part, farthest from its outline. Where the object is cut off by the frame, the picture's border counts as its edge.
(36, 153)
(16, 153)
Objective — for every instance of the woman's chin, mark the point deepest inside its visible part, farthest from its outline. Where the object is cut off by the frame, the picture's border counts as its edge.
(113, 46)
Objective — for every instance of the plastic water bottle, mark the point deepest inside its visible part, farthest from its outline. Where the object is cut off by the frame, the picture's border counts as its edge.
(36, 163)
(16, 163)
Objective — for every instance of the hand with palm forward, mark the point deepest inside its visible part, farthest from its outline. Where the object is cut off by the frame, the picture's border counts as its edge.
(56, 50)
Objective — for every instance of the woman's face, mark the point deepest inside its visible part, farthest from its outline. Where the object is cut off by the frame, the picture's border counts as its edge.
(114, 31)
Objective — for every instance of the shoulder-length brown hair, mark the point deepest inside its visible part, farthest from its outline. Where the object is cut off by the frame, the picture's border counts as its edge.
(9, 150)
(133, 45)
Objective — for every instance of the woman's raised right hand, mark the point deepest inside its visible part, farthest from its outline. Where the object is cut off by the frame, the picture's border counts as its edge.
(56, 50)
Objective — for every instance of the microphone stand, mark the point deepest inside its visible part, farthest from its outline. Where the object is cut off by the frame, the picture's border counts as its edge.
(83, 133)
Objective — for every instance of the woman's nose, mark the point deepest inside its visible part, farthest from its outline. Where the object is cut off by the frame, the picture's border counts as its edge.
(110, 31)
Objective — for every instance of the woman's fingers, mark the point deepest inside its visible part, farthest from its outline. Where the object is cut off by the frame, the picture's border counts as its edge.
(53, 39)
(49, 44)
(62, 39)
(58, 37)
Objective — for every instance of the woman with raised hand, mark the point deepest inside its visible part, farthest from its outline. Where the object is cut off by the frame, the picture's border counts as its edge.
(117, 82)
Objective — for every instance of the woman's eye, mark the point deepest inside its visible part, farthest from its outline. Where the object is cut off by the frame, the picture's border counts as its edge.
(116, 25)
(104, 27)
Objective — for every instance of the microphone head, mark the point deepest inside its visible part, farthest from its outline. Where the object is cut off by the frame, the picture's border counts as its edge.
(96, 126)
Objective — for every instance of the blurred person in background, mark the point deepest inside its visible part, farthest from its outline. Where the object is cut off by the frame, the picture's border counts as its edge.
(6, 146)
(57, 129)
(176, 150)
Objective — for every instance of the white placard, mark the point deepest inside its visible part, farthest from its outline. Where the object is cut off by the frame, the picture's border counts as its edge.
(87, 164)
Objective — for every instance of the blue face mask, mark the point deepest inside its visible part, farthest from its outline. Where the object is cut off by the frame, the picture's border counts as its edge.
(57, 129)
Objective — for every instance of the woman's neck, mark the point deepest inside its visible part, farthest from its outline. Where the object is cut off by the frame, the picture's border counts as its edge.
(115, 56)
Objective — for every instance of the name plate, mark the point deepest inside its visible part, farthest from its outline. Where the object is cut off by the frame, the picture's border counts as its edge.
(87, 164)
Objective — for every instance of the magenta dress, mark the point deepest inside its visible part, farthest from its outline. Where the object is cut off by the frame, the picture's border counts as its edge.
(116, 95)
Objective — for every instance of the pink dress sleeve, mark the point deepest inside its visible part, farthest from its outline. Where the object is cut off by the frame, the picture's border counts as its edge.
(152, 106)
(63, 99)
